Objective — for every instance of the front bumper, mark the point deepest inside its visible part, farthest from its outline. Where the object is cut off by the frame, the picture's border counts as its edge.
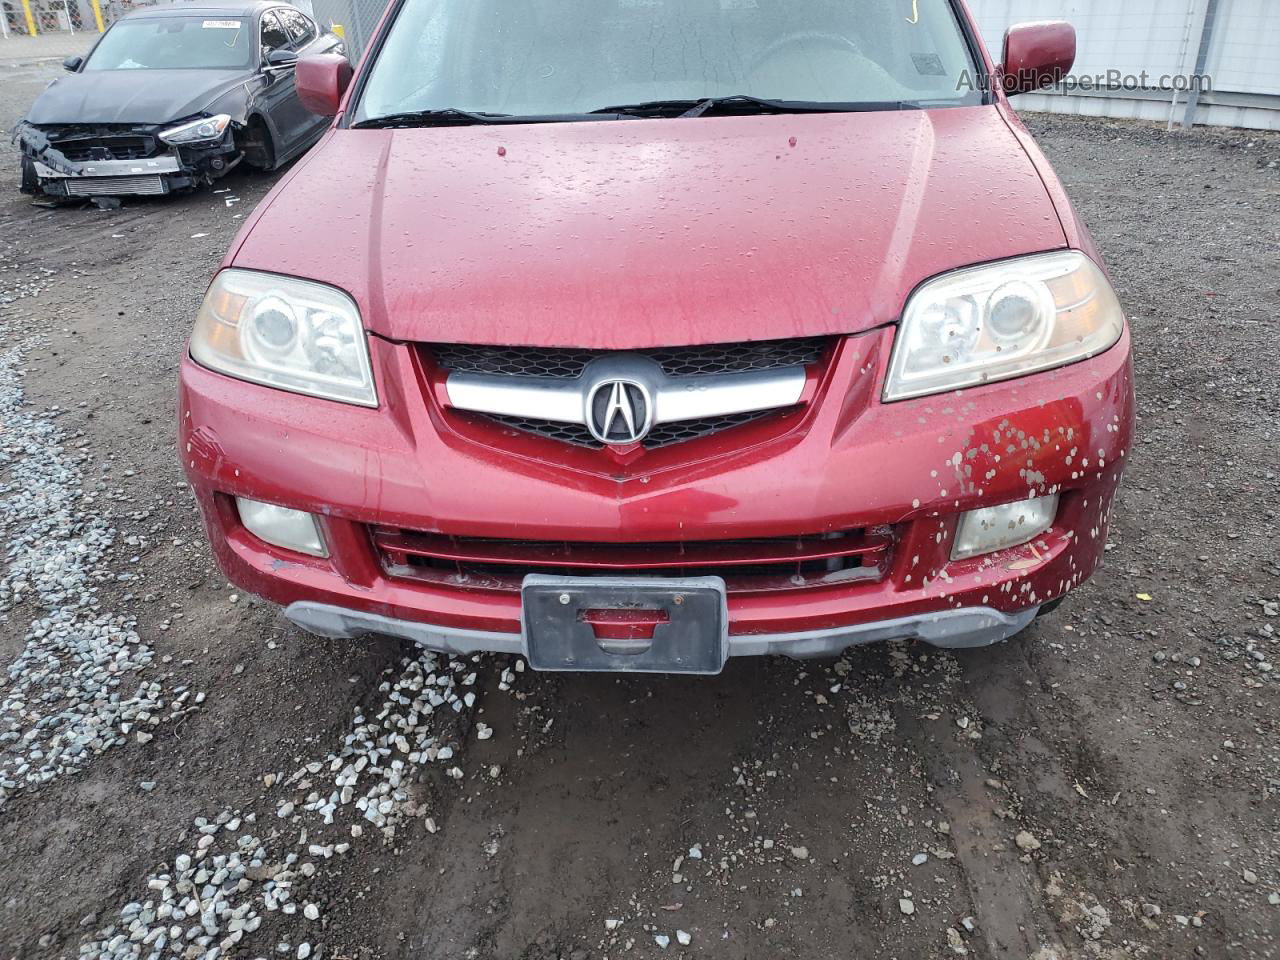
(168, 170)
(947, 629)
(850, 462)
(150, 177)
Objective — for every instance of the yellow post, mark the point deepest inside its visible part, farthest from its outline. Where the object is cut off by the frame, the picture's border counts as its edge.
(97, 15)
(31, 21)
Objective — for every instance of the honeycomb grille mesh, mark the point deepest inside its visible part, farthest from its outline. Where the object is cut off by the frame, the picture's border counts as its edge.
(660, 436)
(567, 363)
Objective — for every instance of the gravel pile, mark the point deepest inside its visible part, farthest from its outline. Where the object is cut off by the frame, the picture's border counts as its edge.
(367, 775)
(219, 889)
(67, 695)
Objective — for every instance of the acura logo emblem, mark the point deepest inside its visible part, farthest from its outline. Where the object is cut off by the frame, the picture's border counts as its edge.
(619, 412)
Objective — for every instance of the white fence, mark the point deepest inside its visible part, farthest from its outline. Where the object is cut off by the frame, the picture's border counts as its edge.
(1235, 44)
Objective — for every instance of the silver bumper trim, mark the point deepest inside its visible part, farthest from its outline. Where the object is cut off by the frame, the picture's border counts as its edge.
(950, 629)
(166, 163)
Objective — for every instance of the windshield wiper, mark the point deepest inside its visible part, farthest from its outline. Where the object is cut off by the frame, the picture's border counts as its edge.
(742, 103)
(427, 118)
(452, 116)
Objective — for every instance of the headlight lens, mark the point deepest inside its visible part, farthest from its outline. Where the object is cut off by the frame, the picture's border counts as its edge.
(1001, 321)
(287, 333)
(1008, 525)
(197, 131)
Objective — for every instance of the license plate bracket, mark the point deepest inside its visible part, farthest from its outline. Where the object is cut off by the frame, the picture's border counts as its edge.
(680, 625)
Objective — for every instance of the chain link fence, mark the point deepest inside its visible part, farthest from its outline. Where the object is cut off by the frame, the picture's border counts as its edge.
(28, 17)
(354, 20)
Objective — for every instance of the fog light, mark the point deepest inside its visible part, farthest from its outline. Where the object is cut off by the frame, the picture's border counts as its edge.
(1008, 525)
(282, 527)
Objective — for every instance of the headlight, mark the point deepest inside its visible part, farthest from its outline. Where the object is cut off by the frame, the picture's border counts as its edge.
(1001, 321)
(197, 131)
(281, 332)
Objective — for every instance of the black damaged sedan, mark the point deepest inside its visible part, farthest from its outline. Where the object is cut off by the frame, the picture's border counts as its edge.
(171, 98)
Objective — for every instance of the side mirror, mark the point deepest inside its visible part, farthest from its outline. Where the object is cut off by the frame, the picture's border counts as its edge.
(281, 59)
(321, 81)
(72, 63)
(1037, 55)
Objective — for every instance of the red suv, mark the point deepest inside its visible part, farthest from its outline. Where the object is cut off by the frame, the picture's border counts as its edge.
(635, 336)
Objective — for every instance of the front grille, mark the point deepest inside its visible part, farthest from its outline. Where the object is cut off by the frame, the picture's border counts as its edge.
(747, 565)
(555, 363)
(145, 185)
(83, 145)
(662, 435)
(568, 364)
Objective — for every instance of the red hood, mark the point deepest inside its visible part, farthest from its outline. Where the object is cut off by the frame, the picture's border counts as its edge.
(637, 233)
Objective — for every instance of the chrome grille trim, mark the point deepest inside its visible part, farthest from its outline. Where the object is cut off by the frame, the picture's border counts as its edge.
(675, 399)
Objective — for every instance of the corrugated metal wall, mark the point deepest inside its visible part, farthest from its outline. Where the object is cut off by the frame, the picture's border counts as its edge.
(1246, 47)
(1159, 37)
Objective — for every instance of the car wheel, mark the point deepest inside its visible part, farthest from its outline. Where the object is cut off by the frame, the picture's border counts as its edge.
(257, 146)
(30, 180)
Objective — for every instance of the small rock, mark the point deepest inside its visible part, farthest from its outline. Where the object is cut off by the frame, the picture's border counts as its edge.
(684, 938)
(800, 853)
(906, 906)
(1026, 841)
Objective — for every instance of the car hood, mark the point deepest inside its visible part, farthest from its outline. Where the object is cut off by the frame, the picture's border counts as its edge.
(637, 233)
(132, 96)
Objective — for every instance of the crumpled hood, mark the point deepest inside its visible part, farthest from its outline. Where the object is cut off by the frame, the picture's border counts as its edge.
(132, 96)
(638, 233)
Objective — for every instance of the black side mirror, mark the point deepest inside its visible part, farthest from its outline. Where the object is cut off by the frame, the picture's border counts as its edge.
(72, 63)
(281, 59)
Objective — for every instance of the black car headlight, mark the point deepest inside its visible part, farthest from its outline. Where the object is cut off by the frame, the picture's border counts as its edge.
(204, 130)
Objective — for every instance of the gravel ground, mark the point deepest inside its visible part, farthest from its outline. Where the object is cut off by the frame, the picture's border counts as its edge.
(184, 775)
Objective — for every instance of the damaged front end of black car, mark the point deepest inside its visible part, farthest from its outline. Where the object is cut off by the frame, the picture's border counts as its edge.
(69, 161)
(170, 98)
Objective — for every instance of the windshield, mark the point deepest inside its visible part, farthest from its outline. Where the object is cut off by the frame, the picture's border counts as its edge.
(173, 43)
(573, 56)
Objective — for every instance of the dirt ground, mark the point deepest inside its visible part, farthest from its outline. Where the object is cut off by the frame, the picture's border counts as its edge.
(1107, 785)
